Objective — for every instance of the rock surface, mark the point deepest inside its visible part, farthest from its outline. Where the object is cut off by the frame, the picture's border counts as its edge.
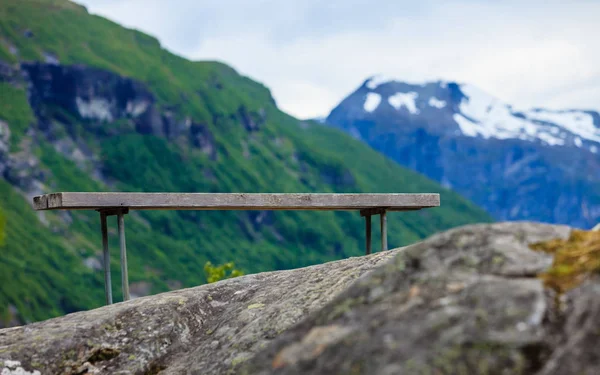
(464, 301)
(203, 330)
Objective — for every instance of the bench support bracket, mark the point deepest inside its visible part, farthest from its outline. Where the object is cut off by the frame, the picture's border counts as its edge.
(368, 236)
(106, 260)
(367, 213)
(120, 212)
(383, 226)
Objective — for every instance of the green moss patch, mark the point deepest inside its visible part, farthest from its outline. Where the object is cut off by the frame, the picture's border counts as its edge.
(15, 110)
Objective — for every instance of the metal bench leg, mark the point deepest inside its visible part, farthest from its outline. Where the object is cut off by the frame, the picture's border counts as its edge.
(124, 275)
(106, 253)
(368, 230)
(383, 224)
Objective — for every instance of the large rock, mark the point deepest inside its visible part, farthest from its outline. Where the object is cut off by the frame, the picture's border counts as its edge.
(464, 301)
(203, 330)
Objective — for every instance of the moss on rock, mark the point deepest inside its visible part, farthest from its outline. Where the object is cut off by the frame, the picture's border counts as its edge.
(575, 259)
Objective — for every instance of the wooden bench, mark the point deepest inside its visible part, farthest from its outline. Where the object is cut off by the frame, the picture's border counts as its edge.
(120, 204)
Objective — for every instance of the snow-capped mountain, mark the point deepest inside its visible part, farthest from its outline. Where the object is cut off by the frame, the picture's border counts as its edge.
(536, 164)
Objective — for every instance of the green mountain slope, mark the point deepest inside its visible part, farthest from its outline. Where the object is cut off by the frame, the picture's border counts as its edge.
(92, 106)
(2, 223)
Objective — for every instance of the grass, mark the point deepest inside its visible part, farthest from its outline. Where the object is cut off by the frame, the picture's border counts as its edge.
(15, 110)
(2, 224)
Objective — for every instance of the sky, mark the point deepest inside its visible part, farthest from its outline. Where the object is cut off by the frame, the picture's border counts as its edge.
(313, 53)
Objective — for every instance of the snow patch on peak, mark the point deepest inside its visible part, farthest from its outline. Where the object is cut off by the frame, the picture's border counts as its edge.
(376, 80)
(468, 127)
(550, 139)
(577, 122)
(484, 115)
(437, 103)
(407, 100)
(479, 104)
(372, 101)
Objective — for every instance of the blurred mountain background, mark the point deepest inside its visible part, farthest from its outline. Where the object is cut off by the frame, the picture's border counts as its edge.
(518, 164)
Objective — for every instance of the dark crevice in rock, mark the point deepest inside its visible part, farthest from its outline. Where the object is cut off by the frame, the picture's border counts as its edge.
(203, 139)
(415, 263)
(536, 355)
(103, 354)
(155, 369)
(252, 121)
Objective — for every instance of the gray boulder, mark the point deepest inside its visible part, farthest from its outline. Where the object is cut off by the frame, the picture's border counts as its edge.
(463, 302)
(204, 330)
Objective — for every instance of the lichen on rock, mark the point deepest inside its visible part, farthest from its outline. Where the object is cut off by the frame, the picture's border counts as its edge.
(575, 259)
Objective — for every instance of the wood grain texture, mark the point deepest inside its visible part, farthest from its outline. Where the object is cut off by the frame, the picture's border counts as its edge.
(234, 201)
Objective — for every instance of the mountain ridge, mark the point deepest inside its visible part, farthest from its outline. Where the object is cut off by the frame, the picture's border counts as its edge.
(486, 106)
(525, 164)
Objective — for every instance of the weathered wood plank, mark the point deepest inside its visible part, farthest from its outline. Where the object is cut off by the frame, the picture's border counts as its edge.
(234, 201)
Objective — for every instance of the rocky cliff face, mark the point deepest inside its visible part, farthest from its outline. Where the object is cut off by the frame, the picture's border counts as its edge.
(537, 164)
(64, 97)
(100, 98)
(464, 301)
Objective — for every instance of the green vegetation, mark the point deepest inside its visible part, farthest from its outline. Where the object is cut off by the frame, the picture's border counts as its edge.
(41, 272)
(222, 272)
(575, 259)
(49, 261)
(2, 224)
(15, 110)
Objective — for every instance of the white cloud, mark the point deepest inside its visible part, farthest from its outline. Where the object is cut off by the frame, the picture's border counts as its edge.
(312, 53)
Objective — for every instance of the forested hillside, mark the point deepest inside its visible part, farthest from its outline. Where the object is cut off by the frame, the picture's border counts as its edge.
(87, 105)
